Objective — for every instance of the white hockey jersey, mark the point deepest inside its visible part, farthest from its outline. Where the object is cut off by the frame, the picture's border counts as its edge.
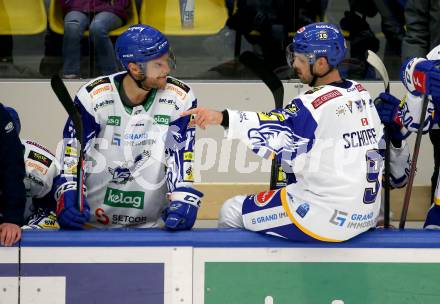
(41, 168)
(134, 155)
(412, 110)
(328, 138)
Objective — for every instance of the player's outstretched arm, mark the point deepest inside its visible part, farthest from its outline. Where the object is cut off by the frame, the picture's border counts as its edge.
(204, 117)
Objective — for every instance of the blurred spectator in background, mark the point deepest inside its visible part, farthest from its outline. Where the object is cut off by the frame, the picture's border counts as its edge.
(6, 49)
(100, 17)
(266, 26)
(361, 38)
(392, 24)
(52, 61)
(422, 35)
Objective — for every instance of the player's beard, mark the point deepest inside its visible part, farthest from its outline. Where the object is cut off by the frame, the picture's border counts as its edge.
(304, 78)
(155, 82)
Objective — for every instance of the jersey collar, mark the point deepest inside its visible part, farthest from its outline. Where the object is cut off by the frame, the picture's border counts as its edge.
(126, 101)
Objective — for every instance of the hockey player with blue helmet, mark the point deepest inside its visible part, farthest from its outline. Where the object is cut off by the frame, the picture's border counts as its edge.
(315, 41)
(327, 137)
(138, 150)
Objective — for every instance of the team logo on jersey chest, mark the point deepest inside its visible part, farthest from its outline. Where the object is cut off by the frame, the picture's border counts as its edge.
(120, 175)
(263, 198)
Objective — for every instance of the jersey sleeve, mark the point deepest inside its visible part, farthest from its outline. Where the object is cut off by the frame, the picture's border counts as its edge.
(411, 111)
(399, 165)
(284, 132)
(179, 150)
(70, 154)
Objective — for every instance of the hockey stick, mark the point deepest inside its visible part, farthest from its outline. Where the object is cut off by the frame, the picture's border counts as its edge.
(258, 67)
(378, 65)
(63, 95)
(412, 171)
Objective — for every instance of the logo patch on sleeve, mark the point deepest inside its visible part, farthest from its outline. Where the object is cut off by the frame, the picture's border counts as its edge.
(271, 116)
(360, 87)
(40, 158)
(324, 98)
(263, 198)
(178, 83)
(96, 83)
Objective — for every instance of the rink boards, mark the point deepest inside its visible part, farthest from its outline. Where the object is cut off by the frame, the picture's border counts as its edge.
(211, 266)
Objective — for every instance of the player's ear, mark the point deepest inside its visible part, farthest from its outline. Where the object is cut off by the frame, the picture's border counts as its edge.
(322, 63)
(133, 68)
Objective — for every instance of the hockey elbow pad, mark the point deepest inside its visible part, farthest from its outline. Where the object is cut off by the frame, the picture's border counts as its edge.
(181, 214)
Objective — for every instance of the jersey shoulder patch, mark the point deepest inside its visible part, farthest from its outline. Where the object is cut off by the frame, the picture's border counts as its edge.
(313, 90)
(96, 83)
(34, 144)
(178, 83)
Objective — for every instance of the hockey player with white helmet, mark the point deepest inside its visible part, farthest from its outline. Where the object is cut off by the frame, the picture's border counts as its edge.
(138, 150)
(328, 137)
(41, 168)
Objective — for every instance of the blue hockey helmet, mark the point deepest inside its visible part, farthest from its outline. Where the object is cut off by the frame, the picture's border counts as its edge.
(15, 118)
(318, 40)
(140, 43)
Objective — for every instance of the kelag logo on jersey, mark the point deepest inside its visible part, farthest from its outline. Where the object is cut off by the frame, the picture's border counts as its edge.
(124, 199)
(162, 119)
(120, 175)
(114, 121)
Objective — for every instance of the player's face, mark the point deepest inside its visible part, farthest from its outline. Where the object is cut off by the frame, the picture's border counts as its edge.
(302, 68)
(157, 72)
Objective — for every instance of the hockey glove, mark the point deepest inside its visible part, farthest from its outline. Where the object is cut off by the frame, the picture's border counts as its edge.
(182, 211)
(69, 217)
(42, 219)
(388, 108)
(421, 76)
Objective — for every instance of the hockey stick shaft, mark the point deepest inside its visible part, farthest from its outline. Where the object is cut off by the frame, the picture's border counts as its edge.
(257, 66)
(413, 169)
(378, 65)
(63, 95)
